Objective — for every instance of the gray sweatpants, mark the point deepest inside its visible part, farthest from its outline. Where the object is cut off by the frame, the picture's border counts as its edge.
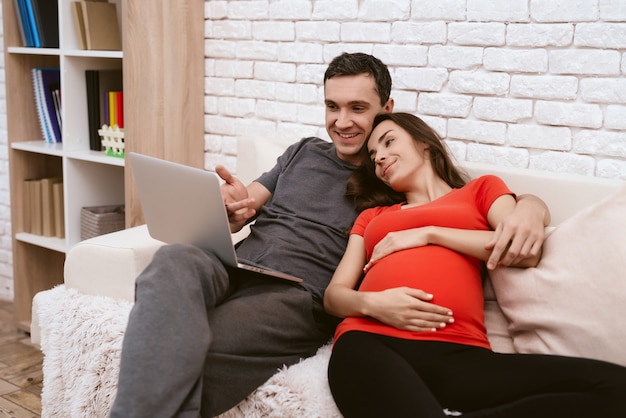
(201, 338)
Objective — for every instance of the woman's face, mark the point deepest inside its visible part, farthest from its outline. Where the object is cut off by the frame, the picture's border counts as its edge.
(396, 155)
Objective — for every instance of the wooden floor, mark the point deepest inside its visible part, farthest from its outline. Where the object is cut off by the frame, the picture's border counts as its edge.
(20, 370)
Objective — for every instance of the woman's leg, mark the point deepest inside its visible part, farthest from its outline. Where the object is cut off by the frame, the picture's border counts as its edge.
(371, 374)
(487, 384)
(370, 379)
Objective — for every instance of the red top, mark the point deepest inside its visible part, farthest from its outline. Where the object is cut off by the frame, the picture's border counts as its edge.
(453, 278)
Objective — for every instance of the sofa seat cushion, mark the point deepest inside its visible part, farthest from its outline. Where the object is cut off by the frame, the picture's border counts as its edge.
(81, 338)
(572, 303)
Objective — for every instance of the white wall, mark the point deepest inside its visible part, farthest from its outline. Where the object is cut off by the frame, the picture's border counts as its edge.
(6, 262)
(526, 83)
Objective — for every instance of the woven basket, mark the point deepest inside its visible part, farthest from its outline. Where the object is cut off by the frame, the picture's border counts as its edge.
(99, 220)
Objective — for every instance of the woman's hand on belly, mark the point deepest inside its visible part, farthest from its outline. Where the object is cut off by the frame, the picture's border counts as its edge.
(407, 309)
(398, 240)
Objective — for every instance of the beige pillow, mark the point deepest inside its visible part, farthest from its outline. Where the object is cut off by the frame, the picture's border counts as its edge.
(574, 301)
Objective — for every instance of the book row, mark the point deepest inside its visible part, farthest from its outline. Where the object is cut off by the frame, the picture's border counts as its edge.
(44, 207)
(38, 22)
(105, 103)
(96, 22)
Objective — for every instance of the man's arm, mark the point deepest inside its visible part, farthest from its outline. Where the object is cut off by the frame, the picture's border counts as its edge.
(520, 234)
(465, 241)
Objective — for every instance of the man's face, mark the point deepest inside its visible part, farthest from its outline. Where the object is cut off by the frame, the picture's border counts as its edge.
(351, 102)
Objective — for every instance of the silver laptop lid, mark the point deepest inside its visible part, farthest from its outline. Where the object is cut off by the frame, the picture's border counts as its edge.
(183, 204)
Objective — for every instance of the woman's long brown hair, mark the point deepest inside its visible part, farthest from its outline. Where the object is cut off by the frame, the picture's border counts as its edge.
(368, 191)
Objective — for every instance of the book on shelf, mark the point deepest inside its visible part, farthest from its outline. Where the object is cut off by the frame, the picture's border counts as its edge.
(38, 22)
(48, 227)
(46, 89)
(32, 200)
(79, 24)
(59, 211)
(47, 22)
(18, 6)
(98, 85)
(44, 207)
(96, 25)
(28, 18)
(120, 108)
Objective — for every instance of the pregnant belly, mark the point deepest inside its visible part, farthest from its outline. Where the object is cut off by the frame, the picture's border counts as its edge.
(453, 279)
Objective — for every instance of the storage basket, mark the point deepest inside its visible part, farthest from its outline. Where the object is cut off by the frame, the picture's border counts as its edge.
(99, 220)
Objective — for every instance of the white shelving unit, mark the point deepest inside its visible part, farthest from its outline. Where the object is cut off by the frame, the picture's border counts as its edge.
(163, 63)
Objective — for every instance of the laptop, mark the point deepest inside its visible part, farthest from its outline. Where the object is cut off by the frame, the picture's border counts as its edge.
(184, 205)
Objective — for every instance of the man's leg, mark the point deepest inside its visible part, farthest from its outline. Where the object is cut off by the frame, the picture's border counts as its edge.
(266, 324)
(168, 334)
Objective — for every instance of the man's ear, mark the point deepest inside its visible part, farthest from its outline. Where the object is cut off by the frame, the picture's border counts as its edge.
(388, 107)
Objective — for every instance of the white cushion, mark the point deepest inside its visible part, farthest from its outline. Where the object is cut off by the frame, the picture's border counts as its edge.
(256, 156)
(572, 303)
(564, 193)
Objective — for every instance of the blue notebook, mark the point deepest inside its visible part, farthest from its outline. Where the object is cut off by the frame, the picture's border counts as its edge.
(32, 23)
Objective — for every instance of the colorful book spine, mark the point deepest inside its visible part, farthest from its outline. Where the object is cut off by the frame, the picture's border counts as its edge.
(30, 14)
(38, 22)
(20, 22)
(119, 107)
(112, 111)
(105, 107)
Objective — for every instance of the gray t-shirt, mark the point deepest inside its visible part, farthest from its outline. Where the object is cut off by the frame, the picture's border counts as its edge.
(303, 228)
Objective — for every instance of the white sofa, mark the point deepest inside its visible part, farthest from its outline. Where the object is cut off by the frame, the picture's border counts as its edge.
(80, 324)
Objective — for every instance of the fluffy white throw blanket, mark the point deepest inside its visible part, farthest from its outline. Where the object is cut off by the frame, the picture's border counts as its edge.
(81, 339)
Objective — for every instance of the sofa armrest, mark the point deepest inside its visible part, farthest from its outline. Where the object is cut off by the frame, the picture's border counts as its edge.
(107, 265)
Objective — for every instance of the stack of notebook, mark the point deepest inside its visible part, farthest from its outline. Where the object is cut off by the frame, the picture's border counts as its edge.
(47, 91)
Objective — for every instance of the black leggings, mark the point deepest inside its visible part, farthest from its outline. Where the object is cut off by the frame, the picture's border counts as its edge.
(377, 376)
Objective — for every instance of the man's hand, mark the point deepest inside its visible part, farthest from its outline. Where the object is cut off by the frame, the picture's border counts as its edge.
(235, 195)
(521, 234)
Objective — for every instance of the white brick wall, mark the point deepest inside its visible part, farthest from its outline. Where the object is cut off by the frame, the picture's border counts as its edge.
(6, 257)
(526, 83)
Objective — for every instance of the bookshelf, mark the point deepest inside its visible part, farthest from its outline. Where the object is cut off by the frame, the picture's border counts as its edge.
(163, 64)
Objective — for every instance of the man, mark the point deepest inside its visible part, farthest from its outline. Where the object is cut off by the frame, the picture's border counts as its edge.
(202, 337)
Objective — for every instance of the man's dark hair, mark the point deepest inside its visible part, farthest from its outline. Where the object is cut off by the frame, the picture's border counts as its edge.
(360, 63)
